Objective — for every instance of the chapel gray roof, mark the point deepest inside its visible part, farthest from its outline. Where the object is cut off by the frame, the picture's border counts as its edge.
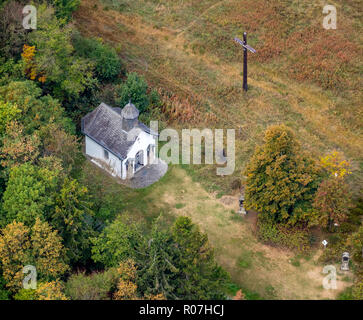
(104, 125)
(117, 109)
(130, 112)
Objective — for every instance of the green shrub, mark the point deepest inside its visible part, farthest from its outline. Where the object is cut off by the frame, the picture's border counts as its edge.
(244, 264)
(134, 88)
(65, 8)
(26, 294)
(96, 286)
(312, 239)
(354, 292)
(333, 252)
(356, 212)
(270, 291)
(269, 231)
(154, 98)
(346, 294)
(4, 293)
(245, 260)
(357, 290)
(295, 262)
(220, 195)
(107, 62)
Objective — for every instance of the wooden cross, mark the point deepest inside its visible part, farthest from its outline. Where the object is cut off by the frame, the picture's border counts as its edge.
(245, 48)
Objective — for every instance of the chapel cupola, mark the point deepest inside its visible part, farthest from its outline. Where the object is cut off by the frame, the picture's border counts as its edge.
(130, 116)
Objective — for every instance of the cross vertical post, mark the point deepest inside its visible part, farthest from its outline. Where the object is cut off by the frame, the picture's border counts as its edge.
(245, 48)
(245, 62)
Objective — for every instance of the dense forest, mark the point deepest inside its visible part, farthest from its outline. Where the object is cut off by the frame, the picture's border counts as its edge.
(82, 239)
(49, 217)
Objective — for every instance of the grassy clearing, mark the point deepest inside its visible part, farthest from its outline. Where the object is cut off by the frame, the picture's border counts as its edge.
(261, 271)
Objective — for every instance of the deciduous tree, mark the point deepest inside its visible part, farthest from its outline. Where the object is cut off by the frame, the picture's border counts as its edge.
(281, 178)
(36, 110)
(134, 88)
(52, 290)
(336, 164)
(39, 246)
(30, 194)
(63, 145)
(117, 242)
(107, 63)
(12, 33)
(332, 201)
(96, 286)
(65, 8)
(126, 286)
(18, 148)
(66, 75)
(29, 66)
(8, 113)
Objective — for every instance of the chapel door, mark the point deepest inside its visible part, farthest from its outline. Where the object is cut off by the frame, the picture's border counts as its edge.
(139, 160)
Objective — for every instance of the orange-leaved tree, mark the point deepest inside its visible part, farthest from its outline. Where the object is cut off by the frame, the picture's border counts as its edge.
(333, 198)
(30, 67)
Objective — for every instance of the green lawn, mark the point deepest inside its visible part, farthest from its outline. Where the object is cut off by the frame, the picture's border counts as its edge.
(262, 271)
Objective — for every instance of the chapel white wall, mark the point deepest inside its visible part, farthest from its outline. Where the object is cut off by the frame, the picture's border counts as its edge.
(94, 150)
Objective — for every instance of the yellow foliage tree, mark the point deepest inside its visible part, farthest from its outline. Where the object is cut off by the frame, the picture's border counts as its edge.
(14, 249)
(30, 68)
(39, 246)
(281, 178)
(126, 287)
(50, 291)
(336, 164)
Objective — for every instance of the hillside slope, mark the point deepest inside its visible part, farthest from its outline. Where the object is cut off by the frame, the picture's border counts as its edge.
(302, 74)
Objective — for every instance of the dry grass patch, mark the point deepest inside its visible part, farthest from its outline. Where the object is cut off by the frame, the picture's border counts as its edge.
(205, 84)
(251, 264)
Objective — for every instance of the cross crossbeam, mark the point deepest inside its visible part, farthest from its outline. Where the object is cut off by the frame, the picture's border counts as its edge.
(246, 46)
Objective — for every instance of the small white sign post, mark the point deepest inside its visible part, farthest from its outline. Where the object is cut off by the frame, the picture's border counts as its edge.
(324, 242)
(345, 261)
